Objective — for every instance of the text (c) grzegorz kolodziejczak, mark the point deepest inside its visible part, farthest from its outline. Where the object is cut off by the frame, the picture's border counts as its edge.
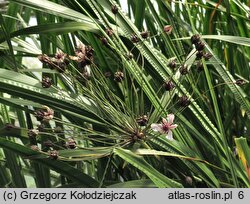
(79, 195)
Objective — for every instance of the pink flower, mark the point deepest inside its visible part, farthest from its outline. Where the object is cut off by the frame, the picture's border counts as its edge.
(166, 126)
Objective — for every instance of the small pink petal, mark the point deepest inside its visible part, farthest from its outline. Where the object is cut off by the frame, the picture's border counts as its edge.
(170, 135)
(170, 118)
(171, 127)
(156, 127)
(164, 121)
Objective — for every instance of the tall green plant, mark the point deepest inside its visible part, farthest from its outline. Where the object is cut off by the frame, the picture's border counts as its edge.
(105, 77)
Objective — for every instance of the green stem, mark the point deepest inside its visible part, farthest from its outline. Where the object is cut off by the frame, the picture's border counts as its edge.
(220, 125)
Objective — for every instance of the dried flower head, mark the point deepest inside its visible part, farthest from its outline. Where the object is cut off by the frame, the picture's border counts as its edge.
(109, 32)
(53, 154)
(240, 82)
(71, 143)
(114, 9)
(137, 135)
(46, 82)
(207, 56)
(44, 59)
(195, 38)
(45, 114)
(183, 69)
(199, 55)
(129, 56)
(134, 38)
(60, 56)
(168, 85)
(142, 120)
(84, 55)
(145, 34)
(172, 64)
(168, 29)
(166, 126)
(118, 76)
(200, 46)
(59, 62)
(184, 101)
(33, 133)
(104, 41)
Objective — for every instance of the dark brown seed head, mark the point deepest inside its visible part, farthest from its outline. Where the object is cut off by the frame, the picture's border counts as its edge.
(118, 76)
(172, 64)
(168, 85)
(168, 29)
(84, 55)
(129, 56)
(200, 46)
(33, 133)
(144, 34)
(195, 39)
(134, 38)
(199, 55)
(39, 114)
(89, 50)
(184, 101)
(54, 154)
(114, 9)
(183, 69)
(199, 66)
(71, 143)
(89, 55)
(240, 82)
(140, 135)
(207, 56)
(80, 49)
(45, 114)
(109, 32)
(104, 41)
(137, 135)
(46, 82)
(142, 121)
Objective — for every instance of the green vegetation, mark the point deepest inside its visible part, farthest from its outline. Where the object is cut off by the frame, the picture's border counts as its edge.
(124, 93)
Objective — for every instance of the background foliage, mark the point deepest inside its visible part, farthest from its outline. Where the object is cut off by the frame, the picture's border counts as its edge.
(99, 103)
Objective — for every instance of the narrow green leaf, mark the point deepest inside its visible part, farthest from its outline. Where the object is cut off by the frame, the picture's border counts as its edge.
(160, 180)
